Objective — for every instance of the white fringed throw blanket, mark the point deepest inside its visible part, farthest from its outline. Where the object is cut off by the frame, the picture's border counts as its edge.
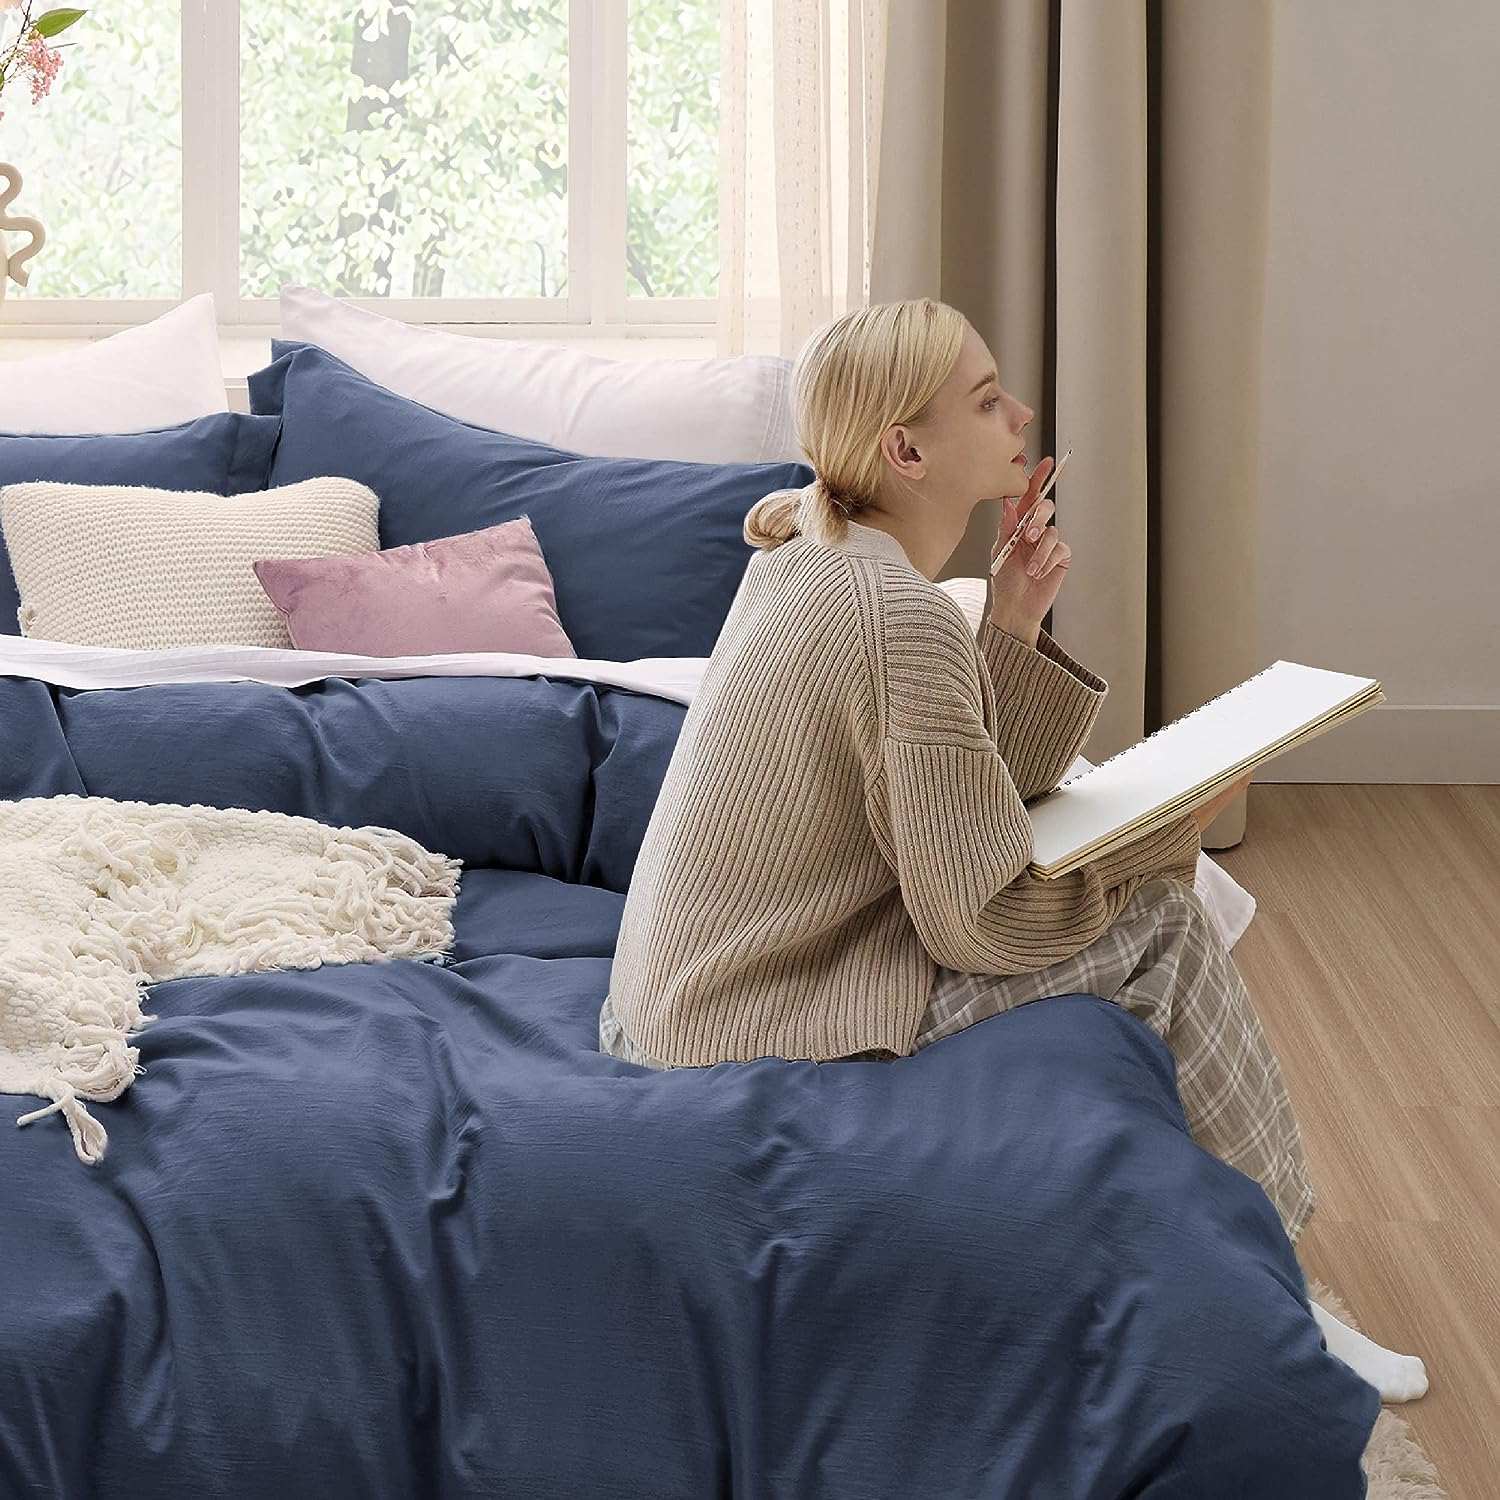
(98, 898)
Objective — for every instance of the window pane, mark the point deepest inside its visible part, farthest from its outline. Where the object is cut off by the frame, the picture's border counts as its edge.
(672, 223)
(101, 156)
(404, 150)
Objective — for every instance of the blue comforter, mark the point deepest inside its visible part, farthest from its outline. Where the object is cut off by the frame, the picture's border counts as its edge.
(400, 1230)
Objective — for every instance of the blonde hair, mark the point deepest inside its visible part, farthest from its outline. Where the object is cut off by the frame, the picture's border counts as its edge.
(853, 378)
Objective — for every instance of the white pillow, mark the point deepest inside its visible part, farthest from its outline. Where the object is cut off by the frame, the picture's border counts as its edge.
(733, 410)
(1228, 902)
(138, 567)
(161, 374)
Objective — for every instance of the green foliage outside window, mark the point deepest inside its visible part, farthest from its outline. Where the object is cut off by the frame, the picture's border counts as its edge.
(387, 149)
(672, 212)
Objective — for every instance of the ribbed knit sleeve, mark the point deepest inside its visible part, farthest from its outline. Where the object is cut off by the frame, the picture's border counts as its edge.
(949, 818)
(1045, 706)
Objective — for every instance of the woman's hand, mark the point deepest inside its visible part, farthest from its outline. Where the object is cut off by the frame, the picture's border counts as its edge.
(1206, 812)
(1021, 593)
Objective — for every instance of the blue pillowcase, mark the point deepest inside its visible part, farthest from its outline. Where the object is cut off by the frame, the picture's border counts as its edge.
(228, 453)
(645, 554)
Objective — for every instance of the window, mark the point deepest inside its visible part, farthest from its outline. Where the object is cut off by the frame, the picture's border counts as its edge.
(526, 162)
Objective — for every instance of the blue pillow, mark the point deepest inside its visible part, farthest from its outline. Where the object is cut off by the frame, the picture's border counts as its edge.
(645, 554)
(228, 453)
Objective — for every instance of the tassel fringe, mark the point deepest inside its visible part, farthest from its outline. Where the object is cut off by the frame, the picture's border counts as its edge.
(111, 896)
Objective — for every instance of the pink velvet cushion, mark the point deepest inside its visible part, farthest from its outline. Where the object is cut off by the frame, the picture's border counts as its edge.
(487, 590)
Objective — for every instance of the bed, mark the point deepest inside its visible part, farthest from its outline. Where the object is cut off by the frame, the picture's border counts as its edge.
(400, 1229)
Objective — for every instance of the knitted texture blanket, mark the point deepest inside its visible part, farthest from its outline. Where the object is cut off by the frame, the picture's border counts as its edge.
(99, 898)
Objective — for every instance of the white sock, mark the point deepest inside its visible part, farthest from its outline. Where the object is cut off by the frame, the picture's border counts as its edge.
(1399, 1377)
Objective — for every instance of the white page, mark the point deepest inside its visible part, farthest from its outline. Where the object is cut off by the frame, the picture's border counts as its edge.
(1192, 751)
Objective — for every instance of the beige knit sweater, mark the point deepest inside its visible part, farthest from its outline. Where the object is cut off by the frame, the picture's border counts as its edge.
(843, 811)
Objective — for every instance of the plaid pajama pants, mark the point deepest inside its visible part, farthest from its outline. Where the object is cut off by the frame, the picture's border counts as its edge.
(1164, 960)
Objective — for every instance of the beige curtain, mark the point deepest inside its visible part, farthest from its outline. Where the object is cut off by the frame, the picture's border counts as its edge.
(800, 111)
(1087, 181)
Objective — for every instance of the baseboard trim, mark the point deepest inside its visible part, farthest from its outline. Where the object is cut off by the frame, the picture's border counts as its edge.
(1432, 744)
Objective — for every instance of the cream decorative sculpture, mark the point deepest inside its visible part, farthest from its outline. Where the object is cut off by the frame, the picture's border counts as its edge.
(26, 53)
(12, 266)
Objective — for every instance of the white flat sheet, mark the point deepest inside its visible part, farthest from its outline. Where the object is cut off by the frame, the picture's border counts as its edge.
(672, 677)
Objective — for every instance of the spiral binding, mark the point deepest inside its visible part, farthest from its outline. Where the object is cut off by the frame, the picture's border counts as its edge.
(1227, 693)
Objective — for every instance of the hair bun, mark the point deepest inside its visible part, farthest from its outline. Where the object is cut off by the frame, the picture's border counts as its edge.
(774, 519)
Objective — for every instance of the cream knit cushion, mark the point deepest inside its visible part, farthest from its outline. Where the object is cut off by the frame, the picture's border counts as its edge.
(134, 566)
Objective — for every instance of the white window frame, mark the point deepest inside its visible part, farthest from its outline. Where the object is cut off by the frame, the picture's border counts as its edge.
(596, 305)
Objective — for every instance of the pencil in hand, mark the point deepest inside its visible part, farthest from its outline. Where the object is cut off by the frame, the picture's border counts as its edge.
(1005, 551)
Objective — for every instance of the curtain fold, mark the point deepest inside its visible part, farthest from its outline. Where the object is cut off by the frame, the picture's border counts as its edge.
(801, 89)
(1215, 120)
(1101, 220)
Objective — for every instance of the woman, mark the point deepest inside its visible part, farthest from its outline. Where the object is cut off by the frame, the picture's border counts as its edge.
(837, 864)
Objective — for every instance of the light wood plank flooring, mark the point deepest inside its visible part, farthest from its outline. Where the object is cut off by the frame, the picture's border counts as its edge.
(1374, 962)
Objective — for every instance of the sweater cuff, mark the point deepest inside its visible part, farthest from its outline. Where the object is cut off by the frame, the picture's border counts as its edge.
(1045, 706)
(1172, 850)
(1048, 646)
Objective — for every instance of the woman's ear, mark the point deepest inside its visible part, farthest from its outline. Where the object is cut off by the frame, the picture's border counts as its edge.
(903, 453)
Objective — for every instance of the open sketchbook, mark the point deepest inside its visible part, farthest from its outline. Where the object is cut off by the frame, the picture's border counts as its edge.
(1186, 762)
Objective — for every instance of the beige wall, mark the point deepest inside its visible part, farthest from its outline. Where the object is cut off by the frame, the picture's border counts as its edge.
(1380, 467)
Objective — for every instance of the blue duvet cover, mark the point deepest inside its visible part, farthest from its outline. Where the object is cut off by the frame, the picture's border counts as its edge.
(399, 1230)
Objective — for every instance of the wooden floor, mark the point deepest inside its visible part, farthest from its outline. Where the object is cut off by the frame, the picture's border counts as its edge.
(1374, 962)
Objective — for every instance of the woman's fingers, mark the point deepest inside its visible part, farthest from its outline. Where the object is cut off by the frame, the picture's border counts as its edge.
(1042, 515)
(1010, 517)
(1038, 477)
(1013, 510)
(1037, 563)
(1063, 557)
(1050, 551)
(1036, 534)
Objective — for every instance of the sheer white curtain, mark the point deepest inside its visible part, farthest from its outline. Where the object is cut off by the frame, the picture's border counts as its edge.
(800, 100)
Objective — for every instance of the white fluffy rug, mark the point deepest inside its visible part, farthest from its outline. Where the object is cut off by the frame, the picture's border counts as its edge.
(99, 898)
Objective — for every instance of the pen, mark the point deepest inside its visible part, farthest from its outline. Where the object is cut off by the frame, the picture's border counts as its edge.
(1004, 552)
